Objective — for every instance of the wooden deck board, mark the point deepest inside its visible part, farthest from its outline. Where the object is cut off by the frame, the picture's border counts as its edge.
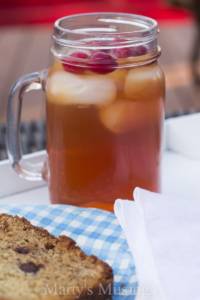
(34, 104)
(10, 45)
(24, 50)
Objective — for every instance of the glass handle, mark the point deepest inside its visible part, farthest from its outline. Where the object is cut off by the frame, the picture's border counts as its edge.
(27, 83)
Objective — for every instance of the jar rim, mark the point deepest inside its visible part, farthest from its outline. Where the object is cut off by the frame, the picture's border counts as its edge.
(135, 28)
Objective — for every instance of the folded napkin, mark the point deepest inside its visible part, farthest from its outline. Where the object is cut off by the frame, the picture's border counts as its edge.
(164, 237)
(182, 135)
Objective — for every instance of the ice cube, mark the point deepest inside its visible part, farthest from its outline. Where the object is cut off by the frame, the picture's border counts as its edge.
(125, 115)
(69, 88)
(119, 77)
(57, 66)
(145, 83)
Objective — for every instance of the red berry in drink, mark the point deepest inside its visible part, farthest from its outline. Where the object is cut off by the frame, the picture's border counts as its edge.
(97, 44)
(76, 62)
(102, 63)
(139, 50)
(122, 52)
(129, 51)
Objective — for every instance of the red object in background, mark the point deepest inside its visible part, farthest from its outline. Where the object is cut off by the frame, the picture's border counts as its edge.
(47, 11)
(20, 3)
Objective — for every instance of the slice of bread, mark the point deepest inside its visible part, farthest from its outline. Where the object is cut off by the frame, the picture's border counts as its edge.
(34, 265)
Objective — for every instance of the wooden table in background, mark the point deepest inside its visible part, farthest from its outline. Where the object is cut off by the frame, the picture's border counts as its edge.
(26, 49)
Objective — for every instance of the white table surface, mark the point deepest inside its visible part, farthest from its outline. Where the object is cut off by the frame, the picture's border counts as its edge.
(180, 177)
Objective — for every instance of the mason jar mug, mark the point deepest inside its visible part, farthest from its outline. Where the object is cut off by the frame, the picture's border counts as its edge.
(105, 109)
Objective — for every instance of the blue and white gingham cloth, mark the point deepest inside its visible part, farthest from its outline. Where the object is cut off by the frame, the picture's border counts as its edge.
(97, 232)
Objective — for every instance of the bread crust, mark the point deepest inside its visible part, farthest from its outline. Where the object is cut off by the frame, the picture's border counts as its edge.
(102, 290)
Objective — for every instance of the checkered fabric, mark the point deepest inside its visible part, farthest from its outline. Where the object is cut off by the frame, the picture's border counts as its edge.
(97, 232)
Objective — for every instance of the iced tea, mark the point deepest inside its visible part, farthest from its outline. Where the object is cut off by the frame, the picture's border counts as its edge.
(104, 128)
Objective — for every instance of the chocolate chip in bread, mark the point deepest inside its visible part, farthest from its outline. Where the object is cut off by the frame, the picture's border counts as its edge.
(34, 265)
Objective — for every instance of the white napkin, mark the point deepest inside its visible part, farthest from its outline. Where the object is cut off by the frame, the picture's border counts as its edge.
(164, 237)
(183, 135)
